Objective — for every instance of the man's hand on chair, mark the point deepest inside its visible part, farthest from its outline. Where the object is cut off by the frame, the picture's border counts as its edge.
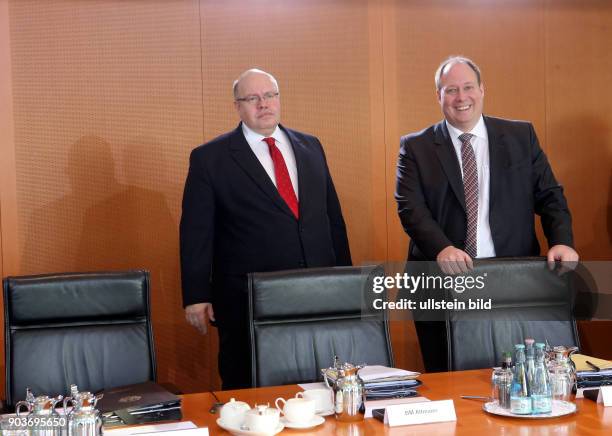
(564, 254)
(454, 261)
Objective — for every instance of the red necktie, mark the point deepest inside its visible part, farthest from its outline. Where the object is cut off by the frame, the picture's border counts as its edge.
(470, 190)
(283, 181)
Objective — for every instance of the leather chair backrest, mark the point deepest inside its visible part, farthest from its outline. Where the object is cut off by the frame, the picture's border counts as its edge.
(88, 329)
(529, 301)
(301, 319)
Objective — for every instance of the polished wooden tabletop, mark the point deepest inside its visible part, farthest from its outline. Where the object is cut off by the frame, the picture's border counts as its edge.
(590, 419)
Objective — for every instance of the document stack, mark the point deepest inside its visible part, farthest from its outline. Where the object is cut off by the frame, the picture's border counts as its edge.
(591, 373)
(381, 382)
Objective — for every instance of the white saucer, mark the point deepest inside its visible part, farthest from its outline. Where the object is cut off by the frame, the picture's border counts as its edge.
(317, 420)
(326, 412)
(240, 432)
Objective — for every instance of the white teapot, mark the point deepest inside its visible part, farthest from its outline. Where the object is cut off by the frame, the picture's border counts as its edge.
(262, 419)
(233, 413)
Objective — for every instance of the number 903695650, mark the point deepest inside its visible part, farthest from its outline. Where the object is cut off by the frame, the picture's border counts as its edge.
(32, 422)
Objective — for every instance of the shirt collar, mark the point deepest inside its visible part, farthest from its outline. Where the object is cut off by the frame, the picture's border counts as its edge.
(254, 137)
(479, 130)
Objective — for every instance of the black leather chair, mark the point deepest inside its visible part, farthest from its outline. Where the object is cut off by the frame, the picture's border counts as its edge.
(90, 329)
(528, 301)
(301, 319)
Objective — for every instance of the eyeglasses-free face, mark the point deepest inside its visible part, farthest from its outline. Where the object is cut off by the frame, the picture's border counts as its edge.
(460, 96)
(258, 104)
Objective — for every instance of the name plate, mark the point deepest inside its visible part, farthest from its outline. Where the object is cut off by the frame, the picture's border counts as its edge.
(420, 413)
(605, 396)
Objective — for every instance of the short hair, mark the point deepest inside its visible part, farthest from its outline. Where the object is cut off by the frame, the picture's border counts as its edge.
(247, 73)
(456, 60)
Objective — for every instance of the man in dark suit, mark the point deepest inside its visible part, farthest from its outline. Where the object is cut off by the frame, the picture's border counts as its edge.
(469, 186)
(258, 198)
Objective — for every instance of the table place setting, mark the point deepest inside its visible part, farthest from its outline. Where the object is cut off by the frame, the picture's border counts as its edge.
(323, 398)
(238, 418)
(299, 412)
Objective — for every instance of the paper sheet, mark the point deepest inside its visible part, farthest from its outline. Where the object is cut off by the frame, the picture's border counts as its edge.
(581, 365)
(184, 428)
(373, 372)
(307, 386)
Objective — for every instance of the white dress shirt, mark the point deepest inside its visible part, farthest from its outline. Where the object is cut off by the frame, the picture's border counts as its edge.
(480, 143)
(262, 151)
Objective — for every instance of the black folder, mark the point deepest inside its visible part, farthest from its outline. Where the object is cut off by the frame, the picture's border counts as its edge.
(138, 404)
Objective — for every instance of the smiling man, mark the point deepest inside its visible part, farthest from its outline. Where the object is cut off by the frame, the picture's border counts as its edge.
(258, 198)
(469, 186)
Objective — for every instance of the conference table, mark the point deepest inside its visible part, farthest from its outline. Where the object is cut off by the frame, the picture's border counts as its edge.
(590, 419)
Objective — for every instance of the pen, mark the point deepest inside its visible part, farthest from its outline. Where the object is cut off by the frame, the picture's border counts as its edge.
(592, 365)
(475, 397)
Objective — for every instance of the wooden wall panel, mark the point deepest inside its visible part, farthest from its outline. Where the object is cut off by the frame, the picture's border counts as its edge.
(579, 124)
(505, 39)
(8, 210)
(319, 52)
(9, 256)
(107, 99)
(322, 56)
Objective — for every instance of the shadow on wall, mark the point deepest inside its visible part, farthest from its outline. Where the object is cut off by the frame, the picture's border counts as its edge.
(54, 229)
(104, 224)
(588, 181)
(133, 228)
(587, 177)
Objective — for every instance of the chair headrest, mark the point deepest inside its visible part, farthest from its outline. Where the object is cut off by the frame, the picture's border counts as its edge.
(315, 291)
(71, 297)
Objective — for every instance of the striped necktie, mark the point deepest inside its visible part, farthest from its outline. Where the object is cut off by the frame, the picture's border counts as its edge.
(470, 190)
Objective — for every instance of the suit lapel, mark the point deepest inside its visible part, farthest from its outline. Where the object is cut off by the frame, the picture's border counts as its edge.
(448, 159)
(497, 156)
(243, 155)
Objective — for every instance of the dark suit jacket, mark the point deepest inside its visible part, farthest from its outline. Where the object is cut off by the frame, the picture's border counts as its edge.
(234, 220)
(431, 202)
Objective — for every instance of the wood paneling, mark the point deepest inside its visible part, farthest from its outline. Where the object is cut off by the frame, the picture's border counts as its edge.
(8, 211)
(326, 88)
(326, 57)
(9, 255)
(504, 38)
(109, 97)
(578, 70)
(579, 125)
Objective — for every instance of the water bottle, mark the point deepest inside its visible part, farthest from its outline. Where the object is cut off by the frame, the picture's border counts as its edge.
(541, 392)
(502, 382)
(520, 402)
(529, 362)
